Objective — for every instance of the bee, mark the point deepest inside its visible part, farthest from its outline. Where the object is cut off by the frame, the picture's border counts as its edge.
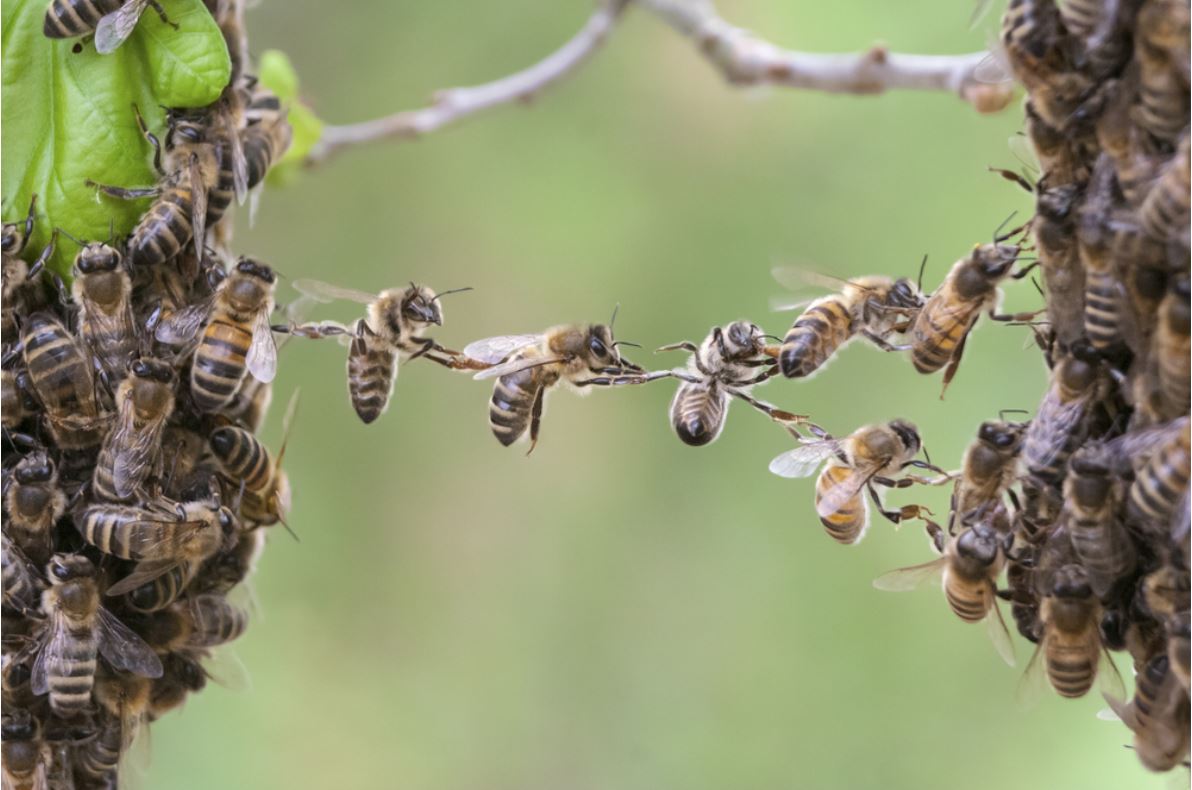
(34, 502)
(1061, 157)
(233, 565)
(1161, 44)
(873, 307)
(527, 366)
(112, 20)
(266, 137)
(969, 565)
(1070, 646)
(392, 331)
(61, 376)
(154, 536)
(183, 675)
(725, 364)
(132, 448)
(1158, 715)
(16, 676)
(867, 457)
(156, 594)
(26, 755)
(1054, 228)
(1040, 54)
(103, 291)
(22, 587)
(16, 398)
(80, 630)
(251, 402)
(1103, 293)
(1136, 166)
(236, 338)
(124, 702)
(264, 488)
(1162, 478)
(1060, 423)
(1166, 388)
(203, 621)
(988, 470)
(1091, 496)
(1020, 592)
(1164, 211)
(941, 327)
(14, 237)
(1102, 31)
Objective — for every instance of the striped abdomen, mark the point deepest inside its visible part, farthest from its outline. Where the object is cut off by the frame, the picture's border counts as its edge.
(816, 334)
(1105, 551)
(220, 196)
(219, 364)
(697, 412)
(165, 229)
(61, 375)
(938, 329)
(1161, 481)
(512, 402)
(131, 533)
(1174, 373)
(71, 674)
(264, 143)
(847, 523)
(70, 18)
(153, 596)
(970, 602)
(98, 758)
(372, 370)
(1162, 108)
(113, 339)
(19, 581)
(1071, 663)
(216, 622)
(1049, 440)
(244, 459)
(1165, 208)
(1102, 308)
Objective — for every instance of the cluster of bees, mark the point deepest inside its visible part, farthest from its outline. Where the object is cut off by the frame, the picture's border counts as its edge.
(135, 490)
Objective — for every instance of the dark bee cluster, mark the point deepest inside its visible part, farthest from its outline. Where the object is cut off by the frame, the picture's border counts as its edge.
(135, 493)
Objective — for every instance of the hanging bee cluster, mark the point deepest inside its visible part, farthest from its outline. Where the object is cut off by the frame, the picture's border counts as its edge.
(135, 493)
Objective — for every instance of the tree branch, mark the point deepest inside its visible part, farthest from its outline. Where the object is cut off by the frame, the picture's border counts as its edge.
(741, 57)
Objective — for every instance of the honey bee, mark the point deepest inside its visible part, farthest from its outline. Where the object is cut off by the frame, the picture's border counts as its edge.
(1136, 166)
(264, 488)
(1158, 715)
(203, 621)
(527, 366)
(124, 701)
(1162, 478)
(1039, 51)
(156, 594)
(266, 137)
(1161, 47)
(724, 364)
(234, 564)
(132, 448)
(867, 457)
(941, 327)
(988, 470)
(14, 237)
(1103, 293)
(112, 20)
(1060, 423)
(1020, 592)
(155, 536)
(1102, 31)
(103, 291)
(34, 502)
(1054, 228)
(61, 376)
(236, 338)
(1091, 496)
(873, 307)
(22, 587)
(1070, 646)
(1171, 350)
(80, 630)
(392, 331)
(183, 675)
(1061, 158)
(26, 755)
(16, 398)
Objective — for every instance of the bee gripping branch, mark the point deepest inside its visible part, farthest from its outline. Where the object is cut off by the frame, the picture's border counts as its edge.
(743, 59)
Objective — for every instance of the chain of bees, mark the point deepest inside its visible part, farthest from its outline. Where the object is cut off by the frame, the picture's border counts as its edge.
(135, 491)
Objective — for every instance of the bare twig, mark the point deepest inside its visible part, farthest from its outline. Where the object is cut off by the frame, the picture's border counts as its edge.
(743, 58)
(454, 104)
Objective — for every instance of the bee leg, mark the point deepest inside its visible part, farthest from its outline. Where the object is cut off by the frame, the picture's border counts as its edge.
(536, 418)
(946, 475)
(1016, 317)
(685, 345)
(773, 412)
(150, 136)
(40, 263)
(30, 218)
(892, 516)
(161, 12)
(718, 336)
(953, 364)
(882, 343)
(134, 193)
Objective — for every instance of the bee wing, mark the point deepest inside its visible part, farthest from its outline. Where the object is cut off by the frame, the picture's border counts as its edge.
(198, 206)
(239, 163)
(1061, 419)
(911, 578)
(995, 626)
(54, 645)
(225, 668)
(143, 573)
(1109, 679)
(137, 450)
(495, 349)
(839, 495)
(1033, 680)
(804, 460)
(117, 26)
(515, 366)
(123, 649)
(181, 326)
(326, 292)
(262, 354)
(1127, 450)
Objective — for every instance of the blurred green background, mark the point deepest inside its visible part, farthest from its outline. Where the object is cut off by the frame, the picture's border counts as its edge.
(620, 610)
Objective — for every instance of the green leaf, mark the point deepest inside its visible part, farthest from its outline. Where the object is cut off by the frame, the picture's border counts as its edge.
(69, 116)
(278, 75)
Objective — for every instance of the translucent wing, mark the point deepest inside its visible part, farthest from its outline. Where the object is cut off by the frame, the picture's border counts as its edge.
(804, 460)
(225, 668)
(143, 573)
(54, 647)
(495, 349)
(326, 292)
(239, 163)
(1033, 681)
(181, 326)
(198, 207)
(516, 366)
(123, 649)
(117, 26)
(911, 578)
(137, 450)
(262, 354)
(1056, 422)
(995, 626)
(797, 279)
(842, 492)
(1109, 679)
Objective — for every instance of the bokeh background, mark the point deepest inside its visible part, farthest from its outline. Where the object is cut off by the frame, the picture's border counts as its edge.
(619, 610)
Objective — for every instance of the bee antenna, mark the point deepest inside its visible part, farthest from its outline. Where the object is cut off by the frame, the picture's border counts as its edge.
(926, 455)
(996, 233)
(626, 343)
(613, 320)
(452, 291)
(71, 236)
(922, 268)
(1002, 413)
(773, 337)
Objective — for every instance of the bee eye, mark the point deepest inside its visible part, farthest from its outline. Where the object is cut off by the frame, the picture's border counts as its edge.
(597, 347)
(140, 369)
(60, 571)
(226, 520)
(1003, 440)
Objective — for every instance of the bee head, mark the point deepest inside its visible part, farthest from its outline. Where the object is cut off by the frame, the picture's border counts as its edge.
(66, 567)
(904, 293)
(152, 369)
(184, 127)
(251, 267)
(223, 442)
(18, 725)
(981, 543)
(600, 346)
(34, 469)
(98, 257)
(1002, 435)
(742, 337)
(421, 306)
(11, 238)
(908, 434)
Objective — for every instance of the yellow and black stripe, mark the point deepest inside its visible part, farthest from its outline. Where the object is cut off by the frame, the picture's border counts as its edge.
(70, 18)
(816, 334)
(511, 404)
(372, 368)
(71, 675)
(165, 229)
(846, 524)
(1161, 481)
(697, 412)
(220, 363)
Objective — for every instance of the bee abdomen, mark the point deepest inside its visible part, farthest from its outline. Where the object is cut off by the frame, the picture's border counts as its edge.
(243, 457)
(847, 523)
(510, 406)
(934, 341)
(1162, 108)
(262, 145)
(100, 756)
(164, 230)
(217, 622)
(697, 413)
(156, 595)
(1071, 670)
(70, 18)
(969, 606)
(371, 373)
(814, 337)
(1102, 313)
(71, 676)
(219, 364)
(20, 591)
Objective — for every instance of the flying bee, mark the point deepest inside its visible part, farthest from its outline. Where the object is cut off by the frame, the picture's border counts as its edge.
(867, 457)
(1091, 496)
(1161, 47)
(61, 376)
(941, 327)
(1162, 478)
(1060, 422)
(22, 587)
(1103, 292)
(124, 705)
(236, 338)
(80, 630)
(1158, 715)
(111, 20)
(392, 331)
(264, 488)
(969, 565)
(14, 237)
(26, 755)
(725, 363)
(527, 366)
(873, 307)
(103, 291)
(34, 502)
(988, 470)
(132, 448)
